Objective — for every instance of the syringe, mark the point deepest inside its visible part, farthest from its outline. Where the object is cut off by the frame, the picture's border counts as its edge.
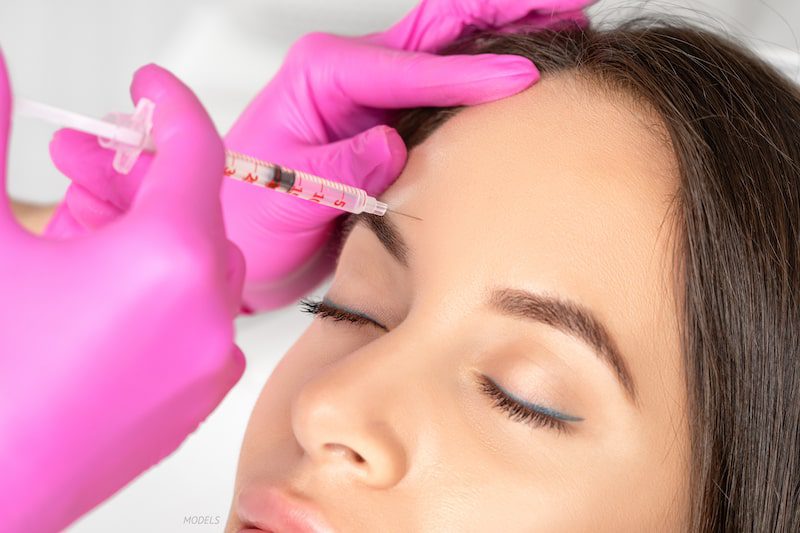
(301, 184)
(128, 135)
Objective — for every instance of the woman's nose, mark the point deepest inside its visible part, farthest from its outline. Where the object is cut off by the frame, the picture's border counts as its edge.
(344, 422)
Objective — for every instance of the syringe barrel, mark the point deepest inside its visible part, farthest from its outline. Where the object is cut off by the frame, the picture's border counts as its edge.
(326, 192)
(301, 184)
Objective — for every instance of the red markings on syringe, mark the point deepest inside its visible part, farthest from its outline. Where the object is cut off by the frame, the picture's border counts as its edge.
(317, 196)
(340, 202)
(252, 177)
(296, 188)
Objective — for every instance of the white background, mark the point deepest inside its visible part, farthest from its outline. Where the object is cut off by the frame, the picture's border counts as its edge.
(80, 55)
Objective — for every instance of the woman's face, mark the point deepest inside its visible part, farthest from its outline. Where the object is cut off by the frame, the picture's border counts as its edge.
(541, 272)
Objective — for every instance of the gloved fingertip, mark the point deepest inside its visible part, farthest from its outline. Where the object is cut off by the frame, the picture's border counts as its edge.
(487, 77)
(384, 141)
(502, 66)
(378, 157)
(69, 135)
(144, 69)
(388, 159)
(146, 82)
(67, 143)
(395, 145)
(396, 153)
(79, 157)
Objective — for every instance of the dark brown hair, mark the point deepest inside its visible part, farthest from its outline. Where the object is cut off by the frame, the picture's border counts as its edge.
(733, 123)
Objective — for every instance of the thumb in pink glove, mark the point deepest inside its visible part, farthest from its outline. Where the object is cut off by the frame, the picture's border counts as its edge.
(324, 113)
(115, 346)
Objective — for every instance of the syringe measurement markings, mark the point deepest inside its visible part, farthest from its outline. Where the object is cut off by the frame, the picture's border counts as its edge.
(297, 186)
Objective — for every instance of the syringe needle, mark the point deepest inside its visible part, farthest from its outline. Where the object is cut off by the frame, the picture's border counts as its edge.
(404, 214)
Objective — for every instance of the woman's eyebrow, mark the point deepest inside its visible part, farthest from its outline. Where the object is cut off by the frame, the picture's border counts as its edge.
(384, 229)
(572, 319)
(565, 315)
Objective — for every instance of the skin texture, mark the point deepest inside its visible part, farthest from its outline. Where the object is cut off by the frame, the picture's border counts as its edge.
(390, 431)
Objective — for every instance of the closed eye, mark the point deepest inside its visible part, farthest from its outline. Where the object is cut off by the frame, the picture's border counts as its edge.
(520, 411)
(327, 310)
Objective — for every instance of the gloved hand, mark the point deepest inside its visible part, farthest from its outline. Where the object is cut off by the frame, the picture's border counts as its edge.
(323, 113)
(114, 346)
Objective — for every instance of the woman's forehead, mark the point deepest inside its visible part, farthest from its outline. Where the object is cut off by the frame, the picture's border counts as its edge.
(558, 171)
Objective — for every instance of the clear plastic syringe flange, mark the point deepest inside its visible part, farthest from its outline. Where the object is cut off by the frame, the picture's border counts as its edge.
(129, 134)
(141, 122)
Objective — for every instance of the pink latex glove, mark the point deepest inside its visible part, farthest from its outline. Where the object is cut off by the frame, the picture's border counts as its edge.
(323, 113)
(114, 346)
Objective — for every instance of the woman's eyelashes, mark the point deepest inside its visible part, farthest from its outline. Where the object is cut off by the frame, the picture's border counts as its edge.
(326, 309)
(520, 411)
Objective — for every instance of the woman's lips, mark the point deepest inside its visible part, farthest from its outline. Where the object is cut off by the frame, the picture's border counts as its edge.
(271, 509)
